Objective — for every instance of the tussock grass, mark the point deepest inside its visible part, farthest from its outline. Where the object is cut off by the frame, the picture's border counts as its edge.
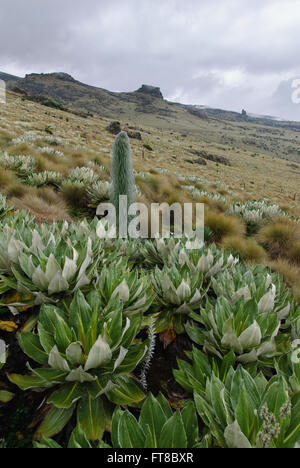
(248, 249)
(213, 205)
(289, 271)
(223, 226)
(5, 139)
(294, 253)
(279, 237)
(42, 210)
(75, 195)
(22, 148)
(7, 178)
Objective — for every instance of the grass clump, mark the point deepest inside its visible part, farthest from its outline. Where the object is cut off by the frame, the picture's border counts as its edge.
(222, 226)
(248, 249)
(278, 238)
(43, 209)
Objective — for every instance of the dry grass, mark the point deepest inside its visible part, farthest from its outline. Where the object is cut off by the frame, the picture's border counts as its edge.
(42, 209)
(213, 205)
(23, 148)
(294, 253)
(75, 195)
(248, 249)
(7, 178)
(289, 271)
(279, 237)
(224, 226)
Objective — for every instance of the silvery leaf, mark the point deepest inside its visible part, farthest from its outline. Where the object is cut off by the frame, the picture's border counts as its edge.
(79, 375)
(249, 357)
(251, 337)
(230, 339)
(69, 269)
(99, 355)
(123, 291)
(243, 292)
(56, 361)
(58, 284)
(74, 353)
(267, 302)
(183, 291)
(121, 357)
(39, 279)
(235, 438)
(52, 268)
(283, 314)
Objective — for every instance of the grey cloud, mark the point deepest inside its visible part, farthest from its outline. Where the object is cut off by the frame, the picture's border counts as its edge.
(225, 53)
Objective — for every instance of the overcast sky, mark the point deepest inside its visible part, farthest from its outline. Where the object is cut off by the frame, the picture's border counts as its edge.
(231, 54)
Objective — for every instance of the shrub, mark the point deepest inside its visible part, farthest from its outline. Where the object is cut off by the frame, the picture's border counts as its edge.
(114, 128)
(86, 356)
(148, 147)
(98, 192)
(158, 426)
(247, 412)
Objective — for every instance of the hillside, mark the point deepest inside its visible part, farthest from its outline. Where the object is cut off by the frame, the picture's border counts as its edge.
(146, 106)
(204, 164)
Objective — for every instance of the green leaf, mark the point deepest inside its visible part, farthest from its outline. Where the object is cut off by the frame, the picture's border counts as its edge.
(31, 346)
(46, 339)
(5, 396)
(190, 421)
(80, 317)
(153, 415)
(46, 444)
(63, 334)
(276, 397)
(149, 439)
(54, 422)
(244, 413)
(173, 433)
(115, 427)
(130, 433)
(293, 433)
(127, 392)
(242, 376)
(165, 405)
(67, 395)
(227, 362)
(52, 376)
(91, 417)
(79, 439)
(26, 382)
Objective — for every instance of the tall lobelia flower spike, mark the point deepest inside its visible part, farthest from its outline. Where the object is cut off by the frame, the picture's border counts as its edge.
(122, 177)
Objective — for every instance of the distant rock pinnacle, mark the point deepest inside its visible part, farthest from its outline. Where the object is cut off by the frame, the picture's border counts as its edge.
(152, 90)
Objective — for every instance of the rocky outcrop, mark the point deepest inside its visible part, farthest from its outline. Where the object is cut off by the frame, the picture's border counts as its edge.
(151, 90)
(59, 76)
(210, 157)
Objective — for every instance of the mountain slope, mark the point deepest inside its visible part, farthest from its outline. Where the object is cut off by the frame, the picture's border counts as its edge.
(147, 107)
(7, 77)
